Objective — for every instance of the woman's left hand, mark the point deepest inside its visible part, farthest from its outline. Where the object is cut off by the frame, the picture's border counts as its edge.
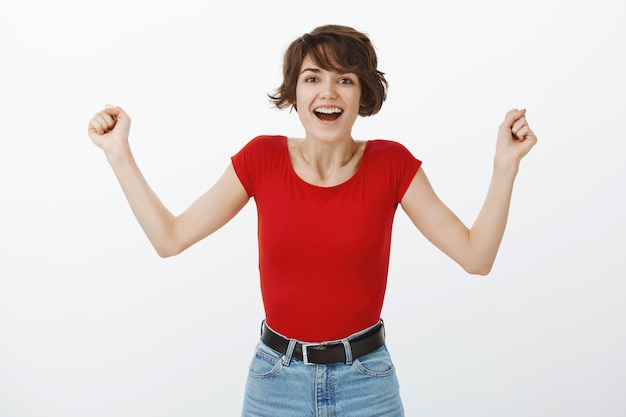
(515, 138)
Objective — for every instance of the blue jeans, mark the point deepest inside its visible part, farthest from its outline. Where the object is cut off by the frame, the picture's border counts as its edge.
(279, 386)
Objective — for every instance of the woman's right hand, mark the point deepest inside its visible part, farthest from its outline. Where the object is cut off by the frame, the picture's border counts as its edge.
(109, 128)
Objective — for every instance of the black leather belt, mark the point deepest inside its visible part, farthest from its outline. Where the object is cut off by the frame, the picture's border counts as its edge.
(326, 353)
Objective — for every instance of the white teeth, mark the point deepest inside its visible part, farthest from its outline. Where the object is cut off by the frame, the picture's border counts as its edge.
(328, 110)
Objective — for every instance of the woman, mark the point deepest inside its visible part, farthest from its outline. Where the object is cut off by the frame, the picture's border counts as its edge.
(326, 205)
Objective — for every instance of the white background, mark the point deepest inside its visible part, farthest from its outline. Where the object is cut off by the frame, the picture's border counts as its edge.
(94, 323)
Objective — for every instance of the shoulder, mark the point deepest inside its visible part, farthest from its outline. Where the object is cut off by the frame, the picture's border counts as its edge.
(266, 142)
(261, 147)
(382, 148)
(258, 159)
(391, 157)
(393, 163)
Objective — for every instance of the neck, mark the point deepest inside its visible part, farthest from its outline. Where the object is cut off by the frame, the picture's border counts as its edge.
(325, 164)
(327, 155)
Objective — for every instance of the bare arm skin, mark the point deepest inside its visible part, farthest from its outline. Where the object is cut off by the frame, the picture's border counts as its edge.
(168, 234)
(474, 248)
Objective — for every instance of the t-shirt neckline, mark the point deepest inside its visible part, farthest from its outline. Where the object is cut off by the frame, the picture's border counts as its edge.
(331, 187)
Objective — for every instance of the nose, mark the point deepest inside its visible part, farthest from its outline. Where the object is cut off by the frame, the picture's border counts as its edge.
(328, 89)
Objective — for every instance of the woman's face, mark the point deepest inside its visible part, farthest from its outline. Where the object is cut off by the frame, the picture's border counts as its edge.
(327, 102)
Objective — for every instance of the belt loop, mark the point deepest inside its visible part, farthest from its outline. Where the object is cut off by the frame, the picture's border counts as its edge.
(348, 349)
(289, 353)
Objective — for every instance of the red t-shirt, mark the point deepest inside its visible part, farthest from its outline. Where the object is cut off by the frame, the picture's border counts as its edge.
(323, 251)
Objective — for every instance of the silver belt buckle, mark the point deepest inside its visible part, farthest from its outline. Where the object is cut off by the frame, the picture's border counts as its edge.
(305, 352)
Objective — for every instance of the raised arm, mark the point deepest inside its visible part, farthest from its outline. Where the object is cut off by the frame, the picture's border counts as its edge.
(169, 234)
(474, 248)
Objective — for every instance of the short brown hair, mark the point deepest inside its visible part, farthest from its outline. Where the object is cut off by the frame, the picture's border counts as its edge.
(334, 48)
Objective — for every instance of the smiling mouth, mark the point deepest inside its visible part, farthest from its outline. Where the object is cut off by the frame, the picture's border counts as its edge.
(328, 114)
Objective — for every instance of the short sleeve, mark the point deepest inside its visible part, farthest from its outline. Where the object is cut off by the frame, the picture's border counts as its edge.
(408, 165)
(253, 162)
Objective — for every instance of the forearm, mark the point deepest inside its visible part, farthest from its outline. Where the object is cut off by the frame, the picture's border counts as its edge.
(487, 231)
(154, 218)
(515, 139)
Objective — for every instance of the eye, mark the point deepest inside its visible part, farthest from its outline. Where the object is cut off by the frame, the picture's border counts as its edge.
(310, 79)
(345, 81)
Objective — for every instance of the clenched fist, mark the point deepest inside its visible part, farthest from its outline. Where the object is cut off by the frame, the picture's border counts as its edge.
(109, 128)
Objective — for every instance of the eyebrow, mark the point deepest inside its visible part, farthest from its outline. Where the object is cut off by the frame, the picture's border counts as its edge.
(311, 69)
(317, 71)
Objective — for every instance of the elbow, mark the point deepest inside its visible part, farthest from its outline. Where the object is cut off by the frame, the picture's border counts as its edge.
(165, 239)
(165, 254)
(167, 251)
(481, 272)
(477, 263)
(482, 269)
